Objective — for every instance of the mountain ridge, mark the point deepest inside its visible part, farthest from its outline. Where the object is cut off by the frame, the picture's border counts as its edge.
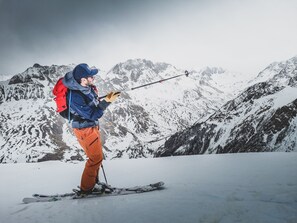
(137, 125)
(261, 118)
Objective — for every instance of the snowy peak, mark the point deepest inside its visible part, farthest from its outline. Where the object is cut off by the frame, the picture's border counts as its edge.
(41, 73)
(209, 71)
(262, 118)
(232, 83)
(33, 83)
(280, 72)
(139, 65)
(138, 71)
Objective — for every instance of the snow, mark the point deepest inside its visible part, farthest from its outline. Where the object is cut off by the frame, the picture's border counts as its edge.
(284, 97)
(252, 187)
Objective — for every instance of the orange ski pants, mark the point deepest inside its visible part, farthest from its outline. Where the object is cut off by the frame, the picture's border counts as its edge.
(89, 139)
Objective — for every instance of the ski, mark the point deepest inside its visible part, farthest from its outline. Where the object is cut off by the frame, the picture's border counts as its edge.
(113, 191)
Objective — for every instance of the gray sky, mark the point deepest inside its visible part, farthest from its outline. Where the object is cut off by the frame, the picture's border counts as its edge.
(243, 35)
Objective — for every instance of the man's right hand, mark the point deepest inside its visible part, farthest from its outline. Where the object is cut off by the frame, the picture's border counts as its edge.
(112, 96)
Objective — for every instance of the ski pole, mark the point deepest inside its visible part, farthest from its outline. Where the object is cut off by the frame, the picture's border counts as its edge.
(104, 174)
(155, 82)
(104, 170)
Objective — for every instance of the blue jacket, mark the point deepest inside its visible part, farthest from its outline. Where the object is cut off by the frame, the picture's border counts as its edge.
(83, 103)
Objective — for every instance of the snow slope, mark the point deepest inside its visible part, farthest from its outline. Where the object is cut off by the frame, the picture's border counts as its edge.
(253, 187)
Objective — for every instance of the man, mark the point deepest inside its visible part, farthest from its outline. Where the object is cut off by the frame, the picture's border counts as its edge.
(86, 109)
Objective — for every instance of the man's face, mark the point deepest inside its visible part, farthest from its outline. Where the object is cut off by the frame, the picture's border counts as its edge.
(88, 81)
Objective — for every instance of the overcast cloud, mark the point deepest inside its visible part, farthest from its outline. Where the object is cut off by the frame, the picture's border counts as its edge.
(241, 35)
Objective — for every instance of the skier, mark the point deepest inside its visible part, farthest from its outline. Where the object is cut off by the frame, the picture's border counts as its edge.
(86, 109)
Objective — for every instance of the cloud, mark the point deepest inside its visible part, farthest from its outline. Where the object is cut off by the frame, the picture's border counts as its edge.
(239, 35)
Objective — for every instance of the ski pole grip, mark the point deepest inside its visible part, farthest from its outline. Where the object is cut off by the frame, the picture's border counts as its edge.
(101, 97)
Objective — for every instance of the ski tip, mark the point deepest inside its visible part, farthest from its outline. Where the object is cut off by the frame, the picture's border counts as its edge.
(158, 184)
(28, 200)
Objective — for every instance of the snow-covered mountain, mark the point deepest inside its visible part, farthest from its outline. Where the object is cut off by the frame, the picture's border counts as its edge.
(279, 72)
(262, 118)
(30, 127)
(146, 116)
(134, 126)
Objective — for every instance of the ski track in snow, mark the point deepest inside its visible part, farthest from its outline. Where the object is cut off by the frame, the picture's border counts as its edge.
(254, 187)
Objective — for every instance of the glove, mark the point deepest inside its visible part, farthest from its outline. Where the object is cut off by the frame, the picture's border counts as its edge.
(112, 96)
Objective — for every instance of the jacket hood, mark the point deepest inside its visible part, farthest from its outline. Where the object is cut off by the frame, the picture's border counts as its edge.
(72, 84)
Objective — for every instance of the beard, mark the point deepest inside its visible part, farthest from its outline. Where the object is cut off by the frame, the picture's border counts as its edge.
(91, 83)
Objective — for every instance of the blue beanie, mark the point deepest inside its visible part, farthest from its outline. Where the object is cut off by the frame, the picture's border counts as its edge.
(83, 71)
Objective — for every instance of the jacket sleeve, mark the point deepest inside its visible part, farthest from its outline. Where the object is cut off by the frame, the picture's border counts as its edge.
(104, 104)
(79, 105)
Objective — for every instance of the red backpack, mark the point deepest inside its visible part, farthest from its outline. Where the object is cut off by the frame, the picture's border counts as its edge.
(60, 93)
